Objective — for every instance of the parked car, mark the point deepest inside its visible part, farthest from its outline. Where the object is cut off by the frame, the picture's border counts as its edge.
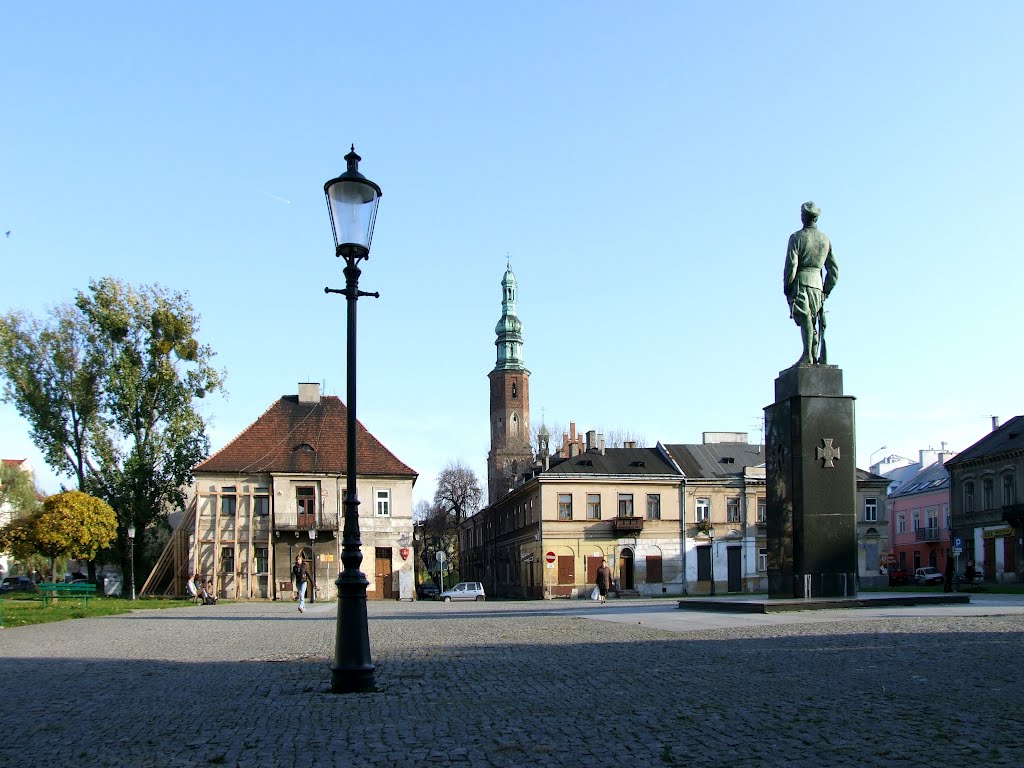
(927, 576)
(17, 584)
(464, 590)
(427, 591)
(897, 576)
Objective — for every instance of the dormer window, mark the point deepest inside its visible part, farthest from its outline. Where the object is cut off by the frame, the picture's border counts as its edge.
(304, 448)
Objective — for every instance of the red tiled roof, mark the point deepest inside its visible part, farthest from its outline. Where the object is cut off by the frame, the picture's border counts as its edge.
(304, 438)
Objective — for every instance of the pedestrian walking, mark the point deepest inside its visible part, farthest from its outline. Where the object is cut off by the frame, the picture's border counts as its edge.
(604, 581)
(300, 577)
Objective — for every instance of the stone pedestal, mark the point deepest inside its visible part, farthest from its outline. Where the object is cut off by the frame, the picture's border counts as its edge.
(811, 476)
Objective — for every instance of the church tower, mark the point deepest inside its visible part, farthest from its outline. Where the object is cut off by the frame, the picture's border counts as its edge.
(510, 452)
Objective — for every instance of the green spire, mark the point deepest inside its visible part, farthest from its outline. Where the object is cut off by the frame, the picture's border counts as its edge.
(509, 330)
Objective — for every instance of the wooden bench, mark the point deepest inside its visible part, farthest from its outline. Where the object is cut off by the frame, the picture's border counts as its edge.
(50, 590)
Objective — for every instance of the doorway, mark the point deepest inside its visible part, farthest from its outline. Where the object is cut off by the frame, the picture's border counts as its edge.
(734, 562)
(626, 569)
(383, 575)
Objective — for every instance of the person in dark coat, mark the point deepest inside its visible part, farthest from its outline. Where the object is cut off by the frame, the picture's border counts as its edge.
(301, 578)
(604, 580)
(947, 583)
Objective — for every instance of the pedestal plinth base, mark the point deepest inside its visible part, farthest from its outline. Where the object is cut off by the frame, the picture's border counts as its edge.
(811, 485)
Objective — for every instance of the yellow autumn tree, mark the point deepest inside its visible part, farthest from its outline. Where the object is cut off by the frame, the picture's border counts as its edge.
(73, 524)
(16, 538)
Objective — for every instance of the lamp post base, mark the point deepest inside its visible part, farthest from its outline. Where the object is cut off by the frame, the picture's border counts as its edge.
(353, 669)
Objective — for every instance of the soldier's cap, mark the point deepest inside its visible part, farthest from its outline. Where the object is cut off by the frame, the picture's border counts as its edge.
(810, 209)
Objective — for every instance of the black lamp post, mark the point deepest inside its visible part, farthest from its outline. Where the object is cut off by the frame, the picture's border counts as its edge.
(711, 535)
(352, 201)
(131, 547)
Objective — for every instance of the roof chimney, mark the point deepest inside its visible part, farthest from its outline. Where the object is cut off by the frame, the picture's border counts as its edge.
(591, 440)
(574, 449)
(309, 393)
(995, 423)
(600, 443)
(629, 444)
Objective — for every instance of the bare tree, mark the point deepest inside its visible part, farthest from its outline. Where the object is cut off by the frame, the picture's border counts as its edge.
(617, 438)
(458, 491)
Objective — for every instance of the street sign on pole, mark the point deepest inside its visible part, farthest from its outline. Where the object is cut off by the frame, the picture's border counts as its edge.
(550, 557)
(958, 543)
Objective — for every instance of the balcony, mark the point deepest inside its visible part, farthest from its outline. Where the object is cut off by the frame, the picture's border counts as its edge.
(627, 526)
(928, 534)
(1013, 513)
(293, 521)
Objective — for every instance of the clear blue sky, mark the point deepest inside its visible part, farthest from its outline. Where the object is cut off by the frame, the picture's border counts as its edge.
(642, 164)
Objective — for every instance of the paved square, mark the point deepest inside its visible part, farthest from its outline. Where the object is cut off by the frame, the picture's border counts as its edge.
(509, 684)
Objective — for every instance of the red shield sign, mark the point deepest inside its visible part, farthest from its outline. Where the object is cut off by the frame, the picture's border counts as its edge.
(404, 552)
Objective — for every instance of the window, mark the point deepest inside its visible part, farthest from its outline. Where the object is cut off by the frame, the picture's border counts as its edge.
(968, 497)
(383, 502)
(732, 510)
(901, 523)
(515, 391)
(945, 514)
(227, 559)
(593, 506)
(654, 509)
(986, 493)
(1008, 491)
(703, 509)
(625, 505)
(565, 506)
(762, 560)
(916, 517)
(228, 502)
(931, 515)
(261, 555)
(261, 502)
(762, 510)
(871, 510)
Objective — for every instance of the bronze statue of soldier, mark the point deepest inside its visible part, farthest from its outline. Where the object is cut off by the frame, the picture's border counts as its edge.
(808, 252)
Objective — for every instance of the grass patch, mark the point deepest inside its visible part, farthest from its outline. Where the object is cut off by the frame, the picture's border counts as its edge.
(27, 608)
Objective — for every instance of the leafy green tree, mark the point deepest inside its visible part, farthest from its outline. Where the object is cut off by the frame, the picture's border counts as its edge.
(17, 491)
(51, 371)
(108, 385)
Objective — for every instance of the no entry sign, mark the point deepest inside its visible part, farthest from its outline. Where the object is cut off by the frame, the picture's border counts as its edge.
(550, 557)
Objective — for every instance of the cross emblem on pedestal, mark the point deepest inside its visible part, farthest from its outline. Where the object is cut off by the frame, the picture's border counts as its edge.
(827, 452)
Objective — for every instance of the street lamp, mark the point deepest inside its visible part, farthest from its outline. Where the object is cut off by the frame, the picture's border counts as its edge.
(871, 458)
(312, 561)
(711, 535)
(131, 547)
(352, 202)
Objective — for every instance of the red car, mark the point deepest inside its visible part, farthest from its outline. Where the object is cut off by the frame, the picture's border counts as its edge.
(897, 576)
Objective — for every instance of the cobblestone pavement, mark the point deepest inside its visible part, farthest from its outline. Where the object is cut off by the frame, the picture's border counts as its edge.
(510, 684)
